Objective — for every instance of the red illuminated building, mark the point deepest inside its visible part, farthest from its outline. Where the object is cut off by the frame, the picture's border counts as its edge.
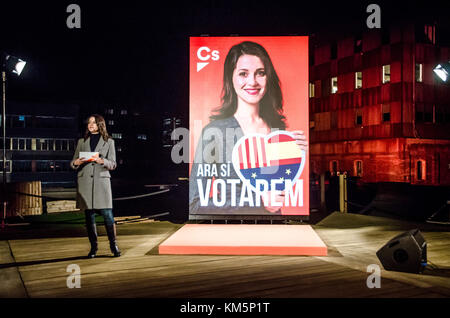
(376, 108)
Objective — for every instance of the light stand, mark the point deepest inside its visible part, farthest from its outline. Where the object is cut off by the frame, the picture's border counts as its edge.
(14, 65)
(4, 123)
(4, 146)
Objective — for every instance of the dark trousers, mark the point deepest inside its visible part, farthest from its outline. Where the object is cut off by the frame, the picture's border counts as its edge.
(92, 227)
(106, 213)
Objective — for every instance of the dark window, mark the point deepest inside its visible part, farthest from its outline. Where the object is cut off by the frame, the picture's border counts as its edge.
(21, 144)
(58, 145)
(334, 51)
(7, 165)
(7, 144)
(15, 144)
(439, 117)
(386, 117)
(430, 33)
(21, 166)
(72, 144)
(57, 166)
(52, 165)
(419, 170)
(419, 117)
(359, 120)
(18, 121)
(42, 165)
(334, 120)
(385, 36)
(334, 167)
(51, 144)
(358, 44)
(358, 168)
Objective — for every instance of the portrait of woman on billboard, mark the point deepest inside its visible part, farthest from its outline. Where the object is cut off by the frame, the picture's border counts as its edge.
(251, 103)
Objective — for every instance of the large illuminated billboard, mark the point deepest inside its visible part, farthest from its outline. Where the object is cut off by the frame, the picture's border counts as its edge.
(249, 127)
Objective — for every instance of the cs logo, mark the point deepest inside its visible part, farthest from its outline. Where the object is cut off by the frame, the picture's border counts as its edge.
(205, 54)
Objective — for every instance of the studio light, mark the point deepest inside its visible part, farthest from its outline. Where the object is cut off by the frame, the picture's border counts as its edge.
(13, 64)
(442, 70)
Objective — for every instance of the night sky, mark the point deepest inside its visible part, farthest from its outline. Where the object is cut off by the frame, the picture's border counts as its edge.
(136, 53)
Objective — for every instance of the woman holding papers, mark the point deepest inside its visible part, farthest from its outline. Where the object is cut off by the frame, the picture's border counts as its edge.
(94, 157)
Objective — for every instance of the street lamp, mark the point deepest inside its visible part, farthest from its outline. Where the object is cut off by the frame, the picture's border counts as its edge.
(9, 64)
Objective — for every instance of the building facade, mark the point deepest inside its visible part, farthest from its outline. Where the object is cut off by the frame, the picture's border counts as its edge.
(377, 111)
(133, 130)
(40, 143)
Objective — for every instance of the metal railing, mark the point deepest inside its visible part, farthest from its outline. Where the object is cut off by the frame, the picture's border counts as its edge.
(5, 193)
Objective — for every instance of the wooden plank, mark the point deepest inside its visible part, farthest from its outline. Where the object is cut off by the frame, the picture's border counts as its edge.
(29, 199)
(61, 206)
(39, 200)
(21, 204)
(35, 202)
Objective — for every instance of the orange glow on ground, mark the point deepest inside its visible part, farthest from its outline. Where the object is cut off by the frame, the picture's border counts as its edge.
(244, 239)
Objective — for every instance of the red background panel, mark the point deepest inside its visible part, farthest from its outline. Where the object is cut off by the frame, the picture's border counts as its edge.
(289, 55)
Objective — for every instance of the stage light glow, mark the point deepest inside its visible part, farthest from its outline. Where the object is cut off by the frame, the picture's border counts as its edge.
(442, 70)
(19, 67)
(14, 64)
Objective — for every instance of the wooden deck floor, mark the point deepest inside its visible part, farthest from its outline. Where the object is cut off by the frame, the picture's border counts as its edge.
(37, 268)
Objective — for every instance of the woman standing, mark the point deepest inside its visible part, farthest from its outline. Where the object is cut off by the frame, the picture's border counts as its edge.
(94, 193)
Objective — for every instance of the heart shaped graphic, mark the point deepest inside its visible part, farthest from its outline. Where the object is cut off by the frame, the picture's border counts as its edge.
(273, 157)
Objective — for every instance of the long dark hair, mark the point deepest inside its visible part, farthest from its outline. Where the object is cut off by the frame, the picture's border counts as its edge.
(101, 124)
(271, 105)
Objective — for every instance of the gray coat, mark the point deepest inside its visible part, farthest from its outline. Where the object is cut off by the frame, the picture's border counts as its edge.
(94, 184)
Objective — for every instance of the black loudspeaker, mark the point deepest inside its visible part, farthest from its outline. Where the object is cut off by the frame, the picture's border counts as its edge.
(406, 252)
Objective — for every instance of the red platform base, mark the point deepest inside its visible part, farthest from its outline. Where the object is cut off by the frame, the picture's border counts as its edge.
(244, 239)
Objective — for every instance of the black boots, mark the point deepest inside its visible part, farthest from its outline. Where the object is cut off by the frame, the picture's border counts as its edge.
(111, 231)
(93, 251)
(92, 234)
(115, 250)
